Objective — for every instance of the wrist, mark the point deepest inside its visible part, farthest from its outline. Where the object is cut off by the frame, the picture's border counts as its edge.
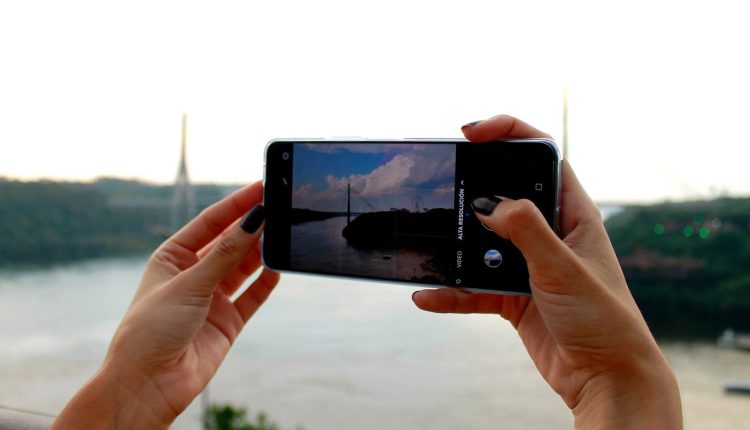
(114, 399)
(645, 395)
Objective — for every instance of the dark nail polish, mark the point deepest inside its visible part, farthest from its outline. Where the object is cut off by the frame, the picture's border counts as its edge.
(485, 205)
(253, 219)
(471, 124)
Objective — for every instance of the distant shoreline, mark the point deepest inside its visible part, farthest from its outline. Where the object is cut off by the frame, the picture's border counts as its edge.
(124, 180)
(51, 222)
(299, 215)
(685, 263)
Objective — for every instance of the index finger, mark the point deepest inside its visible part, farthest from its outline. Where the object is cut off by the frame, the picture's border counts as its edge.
(500, 127)
(217, 217)
(575, 202)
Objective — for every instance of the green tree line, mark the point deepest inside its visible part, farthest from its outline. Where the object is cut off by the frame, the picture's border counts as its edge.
(687, 264)
(230, 417)
(44, 222)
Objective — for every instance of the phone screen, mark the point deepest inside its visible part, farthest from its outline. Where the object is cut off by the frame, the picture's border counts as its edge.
(401, 211)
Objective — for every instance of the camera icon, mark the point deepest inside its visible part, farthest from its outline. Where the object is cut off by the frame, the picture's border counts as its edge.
(493, 258)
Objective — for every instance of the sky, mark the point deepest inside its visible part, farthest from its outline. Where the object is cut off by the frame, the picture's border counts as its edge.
(380, 177)
(659, 94)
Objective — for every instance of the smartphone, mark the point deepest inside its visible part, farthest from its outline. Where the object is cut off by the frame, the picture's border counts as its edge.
(400, 210)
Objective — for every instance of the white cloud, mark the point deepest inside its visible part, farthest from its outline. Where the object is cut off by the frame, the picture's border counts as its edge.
(422, 164)
(407, 174)
(303, 191)
(362, 147)
(445, 189)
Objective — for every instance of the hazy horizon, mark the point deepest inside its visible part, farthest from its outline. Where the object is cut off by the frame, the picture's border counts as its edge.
(144, 181)
(656, 114)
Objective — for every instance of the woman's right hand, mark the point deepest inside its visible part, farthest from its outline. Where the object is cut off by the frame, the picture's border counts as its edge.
(581, 327)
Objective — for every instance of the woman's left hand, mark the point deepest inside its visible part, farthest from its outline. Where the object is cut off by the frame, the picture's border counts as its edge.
(182, 321)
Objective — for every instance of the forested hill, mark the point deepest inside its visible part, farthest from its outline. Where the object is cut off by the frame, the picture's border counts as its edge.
(687, 264)
(45, 222)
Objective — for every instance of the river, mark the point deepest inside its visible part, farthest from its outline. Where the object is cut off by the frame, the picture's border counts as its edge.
(319, 246)
(326, 354)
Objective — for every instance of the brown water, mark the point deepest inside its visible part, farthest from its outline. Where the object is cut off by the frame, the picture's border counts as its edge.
(327, 354)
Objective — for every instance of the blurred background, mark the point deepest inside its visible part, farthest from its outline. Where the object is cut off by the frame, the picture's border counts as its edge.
(92, 96)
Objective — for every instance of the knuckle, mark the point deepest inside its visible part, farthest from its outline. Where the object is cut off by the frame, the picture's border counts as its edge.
(270, 278)
(523, 212)
(227, 247)
(452, 302)
(158, 255)
(165, 255)
(580, 270)
(255, 297)
(594, 215)
(209, 222)
(511, 122)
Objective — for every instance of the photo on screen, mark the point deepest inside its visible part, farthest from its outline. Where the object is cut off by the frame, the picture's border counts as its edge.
(377, 210)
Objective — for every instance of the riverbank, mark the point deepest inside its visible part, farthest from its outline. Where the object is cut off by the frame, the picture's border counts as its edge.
(46, 222)
(685, 262)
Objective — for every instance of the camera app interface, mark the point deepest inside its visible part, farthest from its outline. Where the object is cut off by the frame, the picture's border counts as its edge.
(375, 210)
(402, 211)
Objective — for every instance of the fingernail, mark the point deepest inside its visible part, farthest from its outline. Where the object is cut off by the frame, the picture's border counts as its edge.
(485, 205)
(414, 294)
(253, 219)
(471, 124)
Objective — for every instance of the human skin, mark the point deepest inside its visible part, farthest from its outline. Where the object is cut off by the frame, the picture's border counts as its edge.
(181, 322)
(581, 326)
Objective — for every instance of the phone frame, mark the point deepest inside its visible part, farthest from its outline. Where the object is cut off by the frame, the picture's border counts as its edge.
(555, 217)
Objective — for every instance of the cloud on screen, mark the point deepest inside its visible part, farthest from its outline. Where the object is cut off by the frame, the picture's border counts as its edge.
(360, 148)
(423, 171)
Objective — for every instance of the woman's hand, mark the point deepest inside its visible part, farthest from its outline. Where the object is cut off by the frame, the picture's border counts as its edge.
(581, 327)
(182, 320)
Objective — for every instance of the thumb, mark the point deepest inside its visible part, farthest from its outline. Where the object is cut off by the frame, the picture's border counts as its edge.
(521, 222)
(226, 254)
